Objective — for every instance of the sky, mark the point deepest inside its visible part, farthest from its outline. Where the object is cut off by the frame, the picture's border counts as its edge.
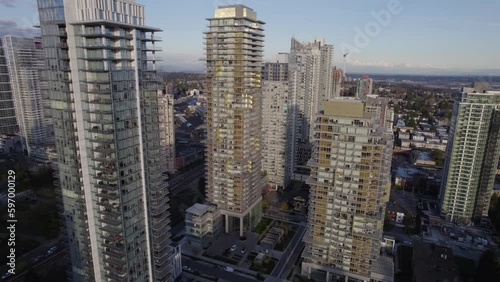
(382, 36)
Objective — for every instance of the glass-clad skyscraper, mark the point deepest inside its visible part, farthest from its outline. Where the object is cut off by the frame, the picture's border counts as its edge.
(104, 92)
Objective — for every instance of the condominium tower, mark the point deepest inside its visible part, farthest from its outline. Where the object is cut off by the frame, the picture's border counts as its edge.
(8, 122)
(350, 185)
(364, 87)
(234, 45)
(310, 79)
(337, 79)
(275, 122)
(25, 58)
(472, 157)
(105, 96)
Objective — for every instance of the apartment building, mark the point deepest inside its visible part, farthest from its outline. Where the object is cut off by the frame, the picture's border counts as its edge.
(337, 81)
(276, 129)
(203, 225)
(350, 185)
(105, 96)
(26, 62)
(472, 157)
(310, 79)
(8, 121)
(234, 45)
(364, 87)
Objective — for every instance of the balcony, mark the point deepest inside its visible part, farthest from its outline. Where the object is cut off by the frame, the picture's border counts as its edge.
(104, 149)
(100, 111)
(105, 203)
(112, 229)
(110, 212)
(101, 140)
(110, 196)
(110, 221)
(107, 178)
(149, 47)
(98, 91)
(107, 46)
(97, 129)
(151, 38)
(117, 278)
(95, 34)
(100, 101)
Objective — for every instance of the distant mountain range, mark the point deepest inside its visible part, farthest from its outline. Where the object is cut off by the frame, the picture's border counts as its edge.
(369, 70)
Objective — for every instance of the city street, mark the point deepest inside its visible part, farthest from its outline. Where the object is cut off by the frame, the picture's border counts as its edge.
(215, 271)
(290, 255)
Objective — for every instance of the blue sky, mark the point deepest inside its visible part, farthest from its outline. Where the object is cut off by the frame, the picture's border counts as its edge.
(421, 36)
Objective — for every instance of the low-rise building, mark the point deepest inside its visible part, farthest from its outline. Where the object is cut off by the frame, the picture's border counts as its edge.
(418, 137)
(203, 225)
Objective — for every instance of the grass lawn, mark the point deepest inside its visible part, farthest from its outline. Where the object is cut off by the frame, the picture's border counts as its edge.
(285, 240)
(266, 267)
(262, 226)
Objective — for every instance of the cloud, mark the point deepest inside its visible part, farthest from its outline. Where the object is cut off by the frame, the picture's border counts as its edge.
(10, 27)
(8, 3)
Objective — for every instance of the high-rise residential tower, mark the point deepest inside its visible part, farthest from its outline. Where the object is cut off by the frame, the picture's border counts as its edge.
(8, 122)
(105, 94)
(309, 72)
(364, 87)
(337, 80)
(26, 62)
(234, 45)
(275, 126)
(472, 157)
(350, 185)
(166, 124)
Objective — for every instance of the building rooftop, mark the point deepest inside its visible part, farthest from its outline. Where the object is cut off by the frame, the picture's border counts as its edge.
(433, 263)
(198, 209)
(383, 267)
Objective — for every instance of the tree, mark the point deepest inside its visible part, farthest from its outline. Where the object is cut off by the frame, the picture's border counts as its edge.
(284, 206)
(488, 267)
(265, 203)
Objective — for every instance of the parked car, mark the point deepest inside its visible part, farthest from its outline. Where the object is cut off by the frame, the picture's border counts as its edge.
(185, 267)
(228, 269)
(264, 251)
(52, 250)
(233, 248)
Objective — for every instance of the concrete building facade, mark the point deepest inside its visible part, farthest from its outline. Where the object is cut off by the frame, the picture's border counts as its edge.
(350, 185)
(276, 127)
(310, 66)
(26, 62)
(105, 97)
(234, 44)
(472, 157)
